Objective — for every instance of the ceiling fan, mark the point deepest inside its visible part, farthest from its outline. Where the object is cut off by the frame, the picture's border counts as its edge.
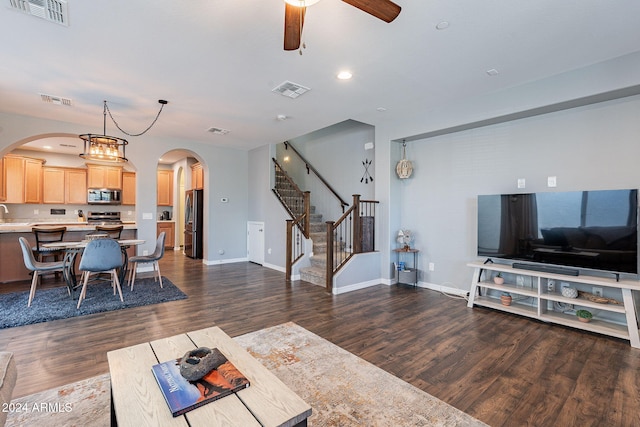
(294, 11)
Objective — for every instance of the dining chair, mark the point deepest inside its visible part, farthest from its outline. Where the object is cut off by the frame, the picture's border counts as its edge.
(48, 235)
(36, 267)
(100, 256)
(114, 231)
(153, 258)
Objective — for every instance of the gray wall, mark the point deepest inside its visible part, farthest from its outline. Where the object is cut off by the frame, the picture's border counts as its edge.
(587, 148)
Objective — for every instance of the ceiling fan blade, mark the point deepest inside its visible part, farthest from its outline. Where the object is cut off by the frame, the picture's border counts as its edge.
(381, 9)
(293, 21)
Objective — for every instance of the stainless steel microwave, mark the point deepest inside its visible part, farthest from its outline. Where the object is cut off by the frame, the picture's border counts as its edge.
(103, 196)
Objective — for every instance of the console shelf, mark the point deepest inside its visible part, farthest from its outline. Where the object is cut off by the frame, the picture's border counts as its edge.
(535, 299)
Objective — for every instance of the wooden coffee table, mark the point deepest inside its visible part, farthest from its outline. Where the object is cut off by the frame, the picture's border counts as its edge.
(136, 399)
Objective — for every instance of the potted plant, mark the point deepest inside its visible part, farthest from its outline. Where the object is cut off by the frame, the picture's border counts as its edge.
(584, 315)
(498, 279)
(506, 298)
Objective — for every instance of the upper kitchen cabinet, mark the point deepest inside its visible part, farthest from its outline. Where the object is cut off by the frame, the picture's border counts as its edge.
(23, 179)
(165, 187)
(64, 185)
(128, 188)
(3, 181)
(99, 176)
(197, 177)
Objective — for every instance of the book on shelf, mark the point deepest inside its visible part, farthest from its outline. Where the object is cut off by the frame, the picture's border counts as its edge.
(183, 395)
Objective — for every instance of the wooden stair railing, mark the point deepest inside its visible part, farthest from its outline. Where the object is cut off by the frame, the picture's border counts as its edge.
(345, 237)
(298, 205)
(310, 169)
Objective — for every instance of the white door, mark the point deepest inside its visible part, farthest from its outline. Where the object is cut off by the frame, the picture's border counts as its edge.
(255, 242)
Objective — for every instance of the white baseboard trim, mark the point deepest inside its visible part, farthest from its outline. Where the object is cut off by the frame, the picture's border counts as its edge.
(444, 289)
(224, 261)
(355, 286)
(274, 267)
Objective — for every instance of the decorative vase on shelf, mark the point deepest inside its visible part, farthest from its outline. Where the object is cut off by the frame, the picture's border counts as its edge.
(506, 298)
(569, 292)
(584, 316)
(498, 280)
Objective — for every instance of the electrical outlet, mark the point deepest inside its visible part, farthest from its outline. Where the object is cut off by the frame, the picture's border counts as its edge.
(432, 266)
(597, 291)
(551, 285)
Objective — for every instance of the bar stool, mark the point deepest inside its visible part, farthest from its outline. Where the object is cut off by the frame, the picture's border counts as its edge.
(48, 235)
(114, 231)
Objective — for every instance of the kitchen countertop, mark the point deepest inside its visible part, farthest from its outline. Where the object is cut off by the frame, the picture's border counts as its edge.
(25, 227)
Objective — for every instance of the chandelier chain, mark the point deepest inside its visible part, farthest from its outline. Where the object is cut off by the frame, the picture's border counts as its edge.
(134, 134)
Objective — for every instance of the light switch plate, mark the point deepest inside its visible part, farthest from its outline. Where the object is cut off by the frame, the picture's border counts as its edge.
(551, 181)
(147, 215)
(521, 183)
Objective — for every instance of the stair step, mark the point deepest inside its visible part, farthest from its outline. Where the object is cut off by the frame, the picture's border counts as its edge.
(313, 275)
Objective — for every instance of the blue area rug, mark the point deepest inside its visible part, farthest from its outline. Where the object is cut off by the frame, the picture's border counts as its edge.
(54, 304)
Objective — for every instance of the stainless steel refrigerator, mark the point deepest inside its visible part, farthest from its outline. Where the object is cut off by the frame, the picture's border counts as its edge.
(193, 220)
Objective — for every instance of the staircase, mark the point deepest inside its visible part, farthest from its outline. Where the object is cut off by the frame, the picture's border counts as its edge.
(351, 234)
(317, 272)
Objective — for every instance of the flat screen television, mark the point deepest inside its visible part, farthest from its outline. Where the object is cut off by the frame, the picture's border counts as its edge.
(594, 230)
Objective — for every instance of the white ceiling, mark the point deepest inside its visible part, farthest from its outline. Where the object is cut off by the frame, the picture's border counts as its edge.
(217, 61)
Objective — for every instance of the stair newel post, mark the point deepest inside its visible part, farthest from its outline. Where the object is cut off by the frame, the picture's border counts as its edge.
(289, 251)
(357, 228)
(307, 212)
(330, 248)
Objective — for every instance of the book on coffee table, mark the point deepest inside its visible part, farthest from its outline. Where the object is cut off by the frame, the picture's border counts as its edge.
(183, 395)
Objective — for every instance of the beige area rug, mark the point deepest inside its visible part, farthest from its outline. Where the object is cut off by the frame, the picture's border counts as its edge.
(342, 389)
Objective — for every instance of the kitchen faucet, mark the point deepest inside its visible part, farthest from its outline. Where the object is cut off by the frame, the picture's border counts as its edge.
(5, 208)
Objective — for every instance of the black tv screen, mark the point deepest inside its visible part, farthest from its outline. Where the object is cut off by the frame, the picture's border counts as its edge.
(595, 230)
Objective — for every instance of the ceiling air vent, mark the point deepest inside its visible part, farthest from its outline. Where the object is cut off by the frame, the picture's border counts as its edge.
(290, 89)
(51, 10)
(57, 100)
(218, 131)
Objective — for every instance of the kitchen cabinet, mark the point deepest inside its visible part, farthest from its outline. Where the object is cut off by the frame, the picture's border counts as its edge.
(64, 186)
(99, 176)
(197, 177)
(23, 179)
(165, 187)
(75, 189)
(128, 188)
(3, 181)
(169, 228)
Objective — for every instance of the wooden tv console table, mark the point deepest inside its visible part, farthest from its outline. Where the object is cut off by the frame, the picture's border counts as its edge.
(532, 297)
(136, 399)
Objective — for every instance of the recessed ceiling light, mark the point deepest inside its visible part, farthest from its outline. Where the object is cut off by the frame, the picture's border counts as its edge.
(493, 72)
(345, 75)
(443, 25)
(381, 109)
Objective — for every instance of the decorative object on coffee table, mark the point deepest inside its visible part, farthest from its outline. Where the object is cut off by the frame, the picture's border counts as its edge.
(183, 395)
(195, 364)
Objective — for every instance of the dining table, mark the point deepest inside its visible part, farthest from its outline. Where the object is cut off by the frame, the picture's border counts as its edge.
(73, 248)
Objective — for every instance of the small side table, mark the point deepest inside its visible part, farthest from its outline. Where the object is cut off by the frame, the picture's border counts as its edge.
(407, 276)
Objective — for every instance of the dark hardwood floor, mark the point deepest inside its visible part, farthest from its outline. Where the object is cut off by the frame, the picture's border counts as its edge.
(500, 368)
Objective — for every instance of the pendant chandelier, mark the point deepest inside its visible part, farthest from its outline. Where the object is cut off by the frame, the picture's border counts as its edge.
(106, 148)
(404, 168)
